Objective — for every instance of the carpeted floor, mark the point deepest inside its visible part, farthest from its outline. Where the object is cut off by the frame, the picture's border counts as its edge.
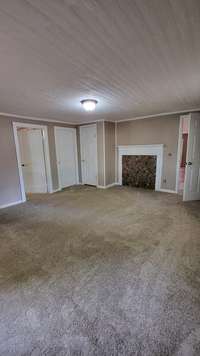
(100, 272)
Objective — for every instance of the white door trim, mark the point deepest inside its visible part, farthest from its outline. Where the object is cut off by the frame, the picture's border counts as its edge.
(17, 125)
(81, 128)
(151, 150)
(76, 153)
(179, 150)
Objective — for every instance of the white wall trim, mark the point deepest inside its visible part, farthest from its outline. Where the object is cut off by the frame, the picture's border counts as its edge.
(107, 186)
(11, 204)
(154, 150)
(167, 191)
(17, 125)
(55, 190)
(158, 115)
(24, 117)
(179, 150)
(35, 118)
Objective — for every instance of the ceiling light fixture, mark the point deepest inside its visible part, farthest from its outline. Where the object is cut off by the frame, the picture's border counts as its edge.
(89, 104)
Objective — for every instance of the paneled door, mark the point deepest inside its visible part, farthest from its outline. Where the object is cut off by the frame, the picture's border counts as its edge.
(32, 160)
(192, 177)
(66, 154)
(88, 142)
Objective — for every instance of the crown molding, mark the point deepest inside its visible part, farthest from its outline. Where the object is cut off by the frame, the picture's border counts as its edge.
(161, 114)
(24, 117)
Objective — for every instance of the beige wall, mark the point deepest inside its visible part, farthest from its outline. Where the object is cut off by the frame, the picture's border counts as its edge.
(9, 176)
(160, 130)
(109, 152)
(100, 153)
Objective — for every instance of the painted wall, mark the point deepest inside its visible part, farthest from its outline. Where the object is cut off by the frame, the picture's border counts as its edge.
(100, 153)
(9, 176)
(109, 152)
(159, 130)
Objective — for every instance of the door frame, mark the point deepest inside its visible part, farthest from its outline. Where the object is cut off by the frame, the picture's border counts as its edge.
(149, 150)
(76, 153)
(17, 125)
(179, 150)
(96, 150)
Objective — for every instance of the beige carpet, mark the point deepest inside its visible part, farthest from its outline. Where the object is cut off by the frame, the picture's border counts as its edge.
(100, 272)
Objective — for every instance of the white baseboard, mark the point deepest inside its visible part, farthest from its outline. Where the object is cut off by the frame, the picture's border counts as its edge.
(55, 190)
(107, 186)
(167, 191)
(11, 204)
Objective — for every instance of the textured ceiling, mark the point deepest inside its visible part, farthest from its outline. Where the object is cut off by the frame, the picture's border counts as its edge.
(136, 57)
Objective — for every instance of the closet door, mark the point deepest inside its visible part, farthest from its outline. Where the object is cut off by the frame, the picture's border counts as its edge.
(33, 160)
(88, 142)
(66, 154)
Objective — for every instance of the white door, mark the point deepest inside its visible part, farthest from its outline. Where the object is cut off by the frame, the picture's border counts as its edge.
(66, 153)
(32, 160)
(192, 174)
(88, 141)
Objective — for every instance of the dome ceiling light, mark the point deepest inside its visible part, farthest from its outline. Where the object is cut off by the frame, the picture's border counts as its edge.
(89, 104)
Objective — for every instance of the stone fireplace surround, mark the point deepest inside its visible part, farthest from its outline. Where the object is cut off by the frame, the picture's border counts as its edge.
(139, 171)
(147, 150)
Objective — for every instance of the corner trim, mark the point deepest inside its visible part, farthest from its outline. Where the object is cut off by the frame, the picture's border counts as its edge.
(11, 204)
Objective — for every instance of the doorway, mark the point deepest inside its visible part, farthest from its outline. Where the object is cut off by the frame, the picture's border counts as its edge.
(183, 138)
(188, 174)
(88, 145)
(32, 159)
(32, 150)
(66, 154)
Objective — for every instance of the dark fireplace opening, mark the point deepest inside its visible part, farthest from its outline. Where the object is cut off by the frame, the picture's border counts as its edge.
(139, 171)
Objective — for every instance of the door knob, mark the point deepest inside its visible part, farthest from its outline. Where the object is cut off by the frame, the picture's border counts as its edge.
(189, 163)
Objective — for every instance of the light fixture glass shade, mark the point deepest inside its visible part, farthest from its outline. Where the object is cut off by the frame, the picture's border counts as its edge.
(89, 104)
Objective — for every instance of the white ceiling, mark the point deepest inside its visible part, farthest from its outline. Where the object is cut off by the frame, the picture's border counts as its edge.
(136, 57)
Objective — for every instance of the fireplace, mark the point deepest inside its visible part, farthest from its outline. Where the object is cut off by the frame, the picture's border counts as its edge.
(135, 158)
(139, 171)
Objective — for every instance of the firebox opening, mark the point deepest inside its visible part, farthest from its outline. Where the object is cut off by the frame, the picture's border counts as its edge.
(139, 171)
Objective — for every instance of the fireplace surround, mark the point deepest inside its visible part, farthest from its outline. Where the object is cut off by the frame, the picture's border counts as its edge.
(148, 150)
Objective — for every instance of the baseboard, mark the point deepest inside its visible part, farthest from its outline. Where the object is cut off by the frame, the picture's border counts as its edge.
(107, 186)
(55, 190)
(59, 189)
(11, 204)
(167, 191)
